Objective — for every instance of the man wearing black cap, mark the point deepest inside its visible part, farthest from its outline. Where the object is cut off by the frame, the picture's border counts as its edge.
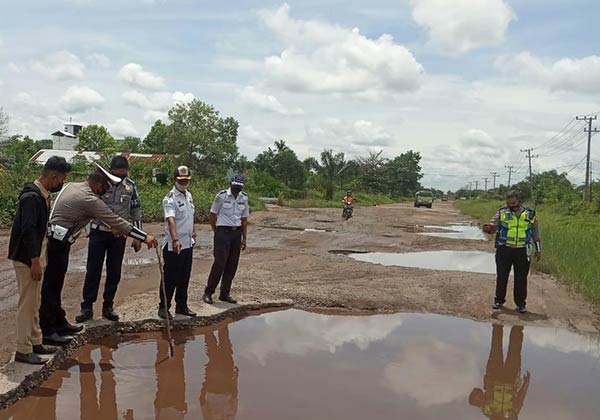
(124, 201)
(75, 206)
(27, 250)
(178, 247)
(229, 221)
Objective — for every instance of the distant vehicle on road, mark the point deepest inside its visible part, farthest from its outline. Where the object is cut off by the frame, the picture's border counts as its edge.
(424, 198)
(445, 198)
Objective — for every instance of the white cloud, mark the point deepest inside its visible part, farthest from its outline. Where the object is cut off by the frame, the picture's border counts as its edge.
(423, 362)
(157, 104)
(321, 57)
(563, 341)
(14, 67)
(357, 137)
(61, 65)
(458, 26)
(249, 135)
(99, 60)
(78, 99)
(135, 75)
(253, 98)
(288, 333)
(137, 99)
(122, 128)
(567, 74)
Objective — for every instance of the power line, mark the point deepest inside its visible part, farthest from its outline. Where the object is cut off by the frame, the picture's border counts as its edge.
(589, 131)
(495, 175)
(510, 172)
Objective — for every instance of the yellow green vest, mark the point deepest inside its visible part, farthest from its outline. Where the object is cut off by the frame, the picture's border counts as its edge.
(515, 231)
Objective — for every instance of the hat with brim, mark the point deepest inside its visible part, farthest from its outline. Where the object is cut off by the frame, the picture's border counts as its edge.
(237, 180)
(110, 178)
(183, 172)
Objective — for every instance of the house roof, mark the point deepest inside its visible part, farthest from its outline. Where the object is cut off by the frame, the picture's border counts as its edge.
(63, 134)
(42, 156)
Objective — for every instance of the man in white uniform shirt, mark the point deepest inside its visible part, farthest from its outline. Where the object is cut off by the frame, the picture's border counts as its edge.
(229, 221)
(180, 237)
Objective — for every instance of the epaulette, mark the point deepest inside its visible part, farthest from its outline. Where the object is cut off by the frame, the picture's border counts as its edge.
(244, 194)
(130, 180)
(503, 208)
(222, 192)
(169, 194)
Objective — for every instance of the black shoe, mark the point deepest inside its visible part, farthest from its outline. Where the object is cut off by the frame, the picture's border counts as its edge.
(55, 339)
(185, 311)
(110, 314)
(69, 329)
(497, 305)
(207, 299)
(521, 309)
(43, 349)
(31, 359)
(227, 299)
(162, 315)
(85, 315)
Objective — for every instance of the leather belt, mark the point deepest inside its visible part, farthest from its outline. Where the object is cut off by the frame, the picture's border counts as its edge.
(101, 228)
(234, 228)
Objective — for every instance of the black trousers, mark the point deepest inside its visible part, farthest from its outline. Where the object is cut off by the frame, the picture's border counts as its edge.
(516, 258)
(177, 269)
(52, 315)
(227, 248)
(103, 244)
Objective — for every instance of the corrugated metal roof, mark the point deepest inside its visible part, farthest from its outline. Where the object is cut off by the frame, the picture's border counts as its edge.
(43, 155)
(63, 134)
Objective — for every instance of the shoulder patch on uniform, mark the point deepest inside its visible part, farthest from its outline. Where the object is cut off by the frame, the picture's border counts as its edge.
(169, 194)
(131, 181)
(503, 208)
(244, 194)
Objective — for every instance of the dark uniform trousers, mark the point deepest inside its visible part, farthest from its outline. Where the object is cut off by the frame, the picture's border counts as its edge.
(103, 244)
(52, 315)
(177, 271)
(507, 258)
(226, 250)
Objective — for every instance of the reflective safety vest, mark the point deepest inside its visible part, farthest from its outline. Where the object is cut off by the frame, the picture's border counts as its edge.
(515, 231)
(501, 402)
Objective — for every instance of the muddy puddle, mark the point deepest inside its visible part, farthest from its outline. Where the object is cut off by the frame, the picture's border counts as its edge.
(470, 261)
(456, 231)
(299, 365)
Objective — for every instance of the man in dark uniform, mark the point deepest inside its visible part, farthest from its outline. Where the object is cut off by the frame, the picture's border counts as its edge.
(504, 393)
(229, 221)
(124, 201)
(75, 206)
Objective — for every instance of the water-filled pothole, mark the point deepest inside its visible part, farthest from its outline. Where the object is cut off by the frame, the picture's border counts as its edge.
(456, 231)
(300, 365)
(471, 261)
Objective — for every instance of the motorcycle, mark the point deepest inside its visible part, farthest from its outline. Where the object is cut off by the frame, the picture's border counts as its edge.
(348, 209)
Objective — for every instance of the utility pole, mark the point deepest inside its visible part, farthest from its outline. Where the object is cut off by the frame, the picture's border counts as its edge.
(590, 131)
(529, 156)
(495, 175)
(476, 186)
(486, 183)
(510, 172)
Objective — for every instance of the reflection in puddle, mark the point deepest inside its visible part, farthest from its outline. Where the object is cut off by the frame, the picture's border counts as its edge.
(470, 261)
(294, 364)
(456, 231)
(139, 261)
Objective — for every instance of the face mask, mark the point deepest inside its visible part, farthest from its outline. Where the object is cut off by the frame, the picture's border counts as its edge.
(514, 208)
(181, 187)
(235, 190)
(57, 188)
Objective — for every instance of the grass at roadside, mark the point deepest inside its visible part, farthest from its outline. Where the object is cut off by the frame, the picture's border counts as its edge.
(570, 244)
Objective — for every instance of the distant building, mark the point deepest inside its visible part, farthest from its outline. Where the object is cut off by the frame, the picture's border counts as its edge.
(43, 155)
(67, 138)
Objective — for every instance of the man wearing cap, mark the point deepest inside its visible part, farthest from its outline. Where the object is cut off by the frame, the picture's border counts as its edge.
(180, 237)
(75, 206)
(229, 221)
(124, 201)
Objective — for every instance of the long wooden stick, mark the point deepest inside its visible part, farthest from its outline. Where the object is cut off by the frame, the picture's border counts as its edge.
(166, 308)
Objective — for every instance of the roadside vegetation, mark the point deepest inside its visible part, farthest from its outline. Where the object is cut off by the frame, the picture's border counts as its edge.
(570, 240)
(196, 135)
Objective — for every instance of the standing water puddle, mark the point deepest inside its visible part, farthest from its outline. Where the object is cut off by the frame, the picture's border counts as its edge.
(456, 231)
(299, 365)
(471, 261)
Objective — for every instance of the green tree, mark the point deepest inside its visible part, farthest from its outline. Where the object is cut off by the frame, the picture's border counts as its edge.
(96, 138)
(404, 174)
(16, 151)
(156, 140)
(283, 164)
(131, 144)
(372, 172)
(330, 170)
(204, 141)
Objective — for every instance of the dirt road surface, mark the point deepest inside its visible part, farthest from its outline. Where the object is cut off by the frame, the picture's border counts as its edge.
(285, 262)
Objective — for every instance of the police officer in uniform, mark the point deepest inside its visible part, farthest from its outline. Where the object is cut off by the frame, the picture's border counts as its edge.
(75, 206)
(229, 221)
(180, 237)
(517, 232)
(124, 201)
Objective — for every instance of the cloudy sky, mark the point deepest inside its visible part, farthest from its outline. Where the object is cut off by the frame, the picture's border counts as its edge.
(468, 83)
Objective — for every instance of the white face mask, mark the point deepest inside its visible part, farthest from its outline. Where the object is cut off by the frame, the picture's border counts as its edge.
(181, 187)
